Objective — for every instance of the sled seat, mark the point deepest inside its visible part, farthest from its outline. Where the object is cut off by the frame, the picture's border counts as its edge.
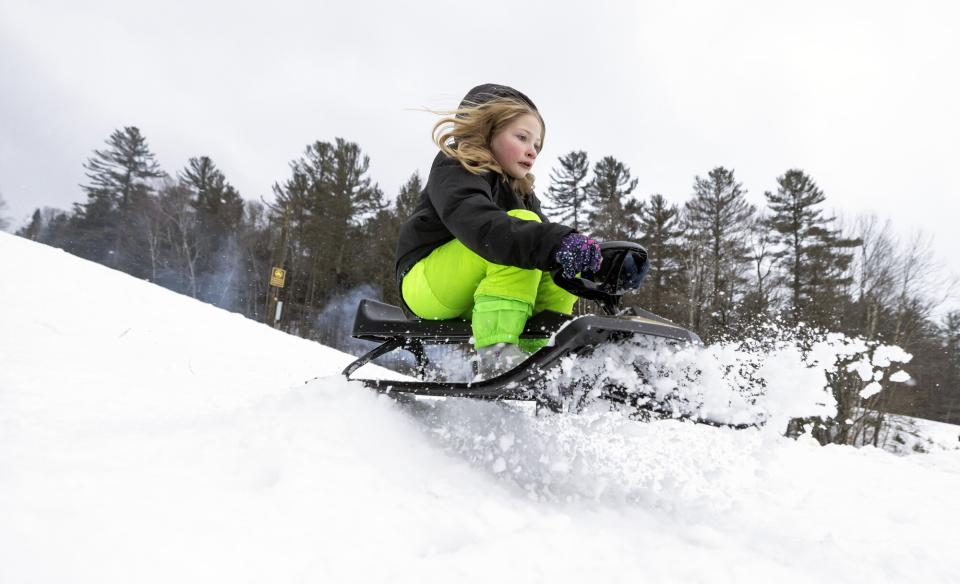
(380, 322)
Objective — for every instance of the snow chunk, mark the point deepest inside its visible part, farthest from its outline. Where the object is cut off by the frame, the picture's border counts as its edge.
(900, 376)
(862, 368)
(872, 389)
(884, 355)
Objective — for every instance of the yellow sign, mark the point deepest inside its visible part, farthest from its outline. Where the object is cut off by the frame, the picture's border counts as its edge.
(277, 277)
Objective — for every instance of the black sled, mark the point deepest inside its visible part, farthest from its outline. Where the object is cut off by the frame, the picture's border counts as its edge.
(623, 269)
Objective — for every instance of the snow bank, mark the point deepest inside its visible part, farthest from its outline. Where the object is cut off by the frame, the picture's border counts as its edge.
(148, 437)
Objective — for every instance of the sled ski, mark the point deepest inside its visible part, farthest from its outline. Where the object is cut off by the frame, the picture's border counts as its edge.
(622, 270)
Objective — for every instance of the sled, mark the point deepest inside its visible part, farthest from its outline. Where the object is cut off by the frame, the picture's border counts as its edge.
(622, 271)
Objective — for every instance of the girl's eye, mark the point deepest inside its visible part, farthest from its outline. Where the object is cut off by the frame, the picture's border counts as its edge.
(522, 137)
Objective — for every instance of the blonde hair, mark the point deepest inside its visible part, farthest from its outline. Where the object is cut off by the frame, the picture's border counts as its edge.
(466, 132)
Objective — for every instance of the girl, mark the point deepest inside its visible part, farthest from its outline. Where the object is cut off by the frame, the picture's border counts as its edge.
(477, 245)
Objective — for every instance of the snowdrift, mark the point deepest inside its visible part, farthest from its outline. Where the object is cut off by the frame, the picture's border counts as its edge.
(148, 437)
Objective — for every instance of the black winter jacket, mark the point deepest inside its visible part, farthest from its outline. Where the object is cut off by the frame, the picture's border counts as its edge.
(472, 208)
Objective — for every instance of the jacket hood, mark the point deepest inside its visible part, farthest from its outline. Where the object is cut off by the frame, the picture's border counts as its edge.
(489, 91)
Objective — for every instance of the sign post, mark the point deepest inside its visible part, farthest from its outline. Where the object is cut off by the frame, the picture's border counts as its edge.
(278, 277)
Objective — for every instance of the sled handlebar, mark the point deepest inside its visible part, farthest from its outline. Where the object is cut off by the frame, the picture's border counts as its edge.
(622, 270)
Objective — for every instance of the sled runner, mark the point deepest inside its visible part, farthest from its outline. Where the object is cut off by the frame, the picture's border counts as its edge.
(622, 271)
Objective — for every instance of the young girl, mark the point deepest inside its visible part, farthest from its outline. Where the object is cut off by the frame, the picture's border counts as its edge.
(478, 246)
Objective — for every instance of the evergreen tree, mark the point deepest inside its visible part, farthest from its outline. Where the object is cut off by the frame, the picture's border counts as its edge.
(34, 229)
(351, 183)
(660, 227)
(379, 239)
(814, 257)
(219, 211)
(719, 217)
(218, 204)
(4, 221)
(117, 176)
(409, 197)
(951, 377)
(614, 213)
(325, 204)
(47, 225)
(567, 195)
(122, 169)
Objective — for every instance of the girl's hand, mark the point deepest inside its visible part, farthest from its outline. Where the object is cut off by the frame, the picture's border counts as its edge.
(578, 253)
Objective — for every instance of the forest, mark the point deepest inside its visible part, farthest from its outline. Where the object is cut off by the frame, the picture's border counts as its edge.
(719, 264)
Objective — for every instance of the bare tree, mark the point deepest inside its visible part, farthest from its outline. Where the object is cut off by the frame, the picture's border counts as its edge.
(694, 272)
(873, 271)
(920, 286)
(149, 223)
(762, 255)
(181, 232)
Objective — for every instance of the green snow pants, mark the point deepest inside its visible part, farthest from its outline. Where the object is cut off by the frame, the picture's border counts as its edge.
(455, 282)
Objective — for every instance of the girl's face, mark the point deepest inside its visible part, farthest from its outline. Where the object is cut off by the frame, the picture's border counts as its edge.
(516, 145)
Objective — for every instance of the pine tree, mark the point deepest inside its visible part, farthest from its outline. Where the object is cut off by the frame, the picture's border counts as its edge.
(4, 221)
(951, 383)
(614, 214)
(814, 257)
(34, 229)
(117, 176)
(123, 169)
(660, 227)
(325, 204)
(48, 225)
(219, 211)
(409, 197)
(566, 199)
(218, 204)
(380, 235)
(351, 183)
(719, 216)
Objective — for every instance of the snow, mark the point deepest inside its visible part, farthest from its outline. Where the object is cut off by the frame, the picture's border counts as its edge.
(148, 437)
(863, 368)
(871, 389)
(900, 376)
(887, 354)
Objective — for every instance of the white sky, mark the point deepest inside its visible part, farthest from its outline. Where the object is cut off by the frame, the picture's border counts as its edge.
(864, 96)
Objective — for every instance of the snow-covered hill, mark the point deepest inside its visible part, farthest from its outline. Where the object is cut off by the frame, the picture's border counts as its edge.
(147, 437)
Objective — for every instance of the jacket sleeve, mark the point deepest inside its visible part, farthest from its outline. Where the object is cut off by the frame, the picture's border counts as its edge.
(464, 202)
(534, 204)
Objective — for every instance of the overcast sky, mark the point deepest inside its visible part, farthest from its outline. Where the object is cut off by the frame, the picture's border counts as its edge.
(864, 96)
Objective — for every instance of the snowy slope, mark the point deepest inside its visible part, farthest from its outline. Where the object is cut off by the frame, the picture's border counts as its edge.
(147, 437)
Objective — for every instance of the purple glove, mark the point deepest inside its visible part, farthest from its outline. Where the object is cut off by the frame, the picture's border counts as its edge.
(578, 253)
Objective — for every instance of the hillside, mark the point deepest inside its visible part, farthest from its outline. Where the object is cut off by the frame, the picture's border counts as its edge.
(148, 437)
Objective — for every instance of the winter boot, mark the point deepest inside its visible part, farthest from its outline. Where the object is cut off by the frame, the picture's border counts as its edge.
(497, 359)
